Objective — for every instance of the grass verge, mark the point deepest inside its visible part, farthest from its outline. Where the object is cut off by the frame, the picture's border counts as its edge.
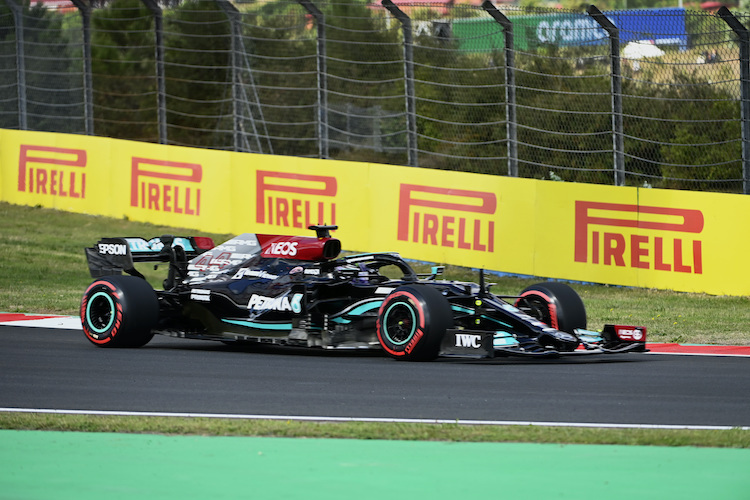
(730, 438)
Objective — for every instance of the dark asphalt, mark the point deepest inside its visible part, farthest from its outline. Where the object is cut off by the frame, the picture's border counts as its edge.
(59, 369)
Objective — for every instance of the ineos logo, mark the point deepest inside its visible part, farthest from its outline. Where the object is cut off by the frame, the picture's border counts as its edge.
(284, 248)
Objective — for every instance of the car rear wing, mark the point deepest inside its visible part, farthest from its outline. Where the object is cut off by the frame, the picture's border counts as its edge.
(113, 256)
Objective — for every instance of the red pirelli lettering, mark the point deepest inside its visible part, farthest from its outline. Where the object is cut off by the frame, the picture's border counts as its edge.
(166, 186)
(470, 228)
(42, 170)
(641, 251)
(278, 199)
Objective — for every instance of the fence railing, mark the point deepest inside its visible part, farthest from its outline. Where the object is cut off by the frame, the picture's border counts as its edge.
(657, 97)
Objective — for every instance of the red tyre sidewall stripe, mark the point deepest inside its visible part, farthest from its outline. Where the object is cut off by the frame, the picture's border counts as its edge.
(420, 330)
(550, 305)
(118, 314)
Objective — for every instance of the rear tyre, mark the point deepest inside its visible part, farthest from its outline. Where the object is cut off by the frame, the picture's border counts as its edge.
(555, 304)
(412, 322)
(119, 311)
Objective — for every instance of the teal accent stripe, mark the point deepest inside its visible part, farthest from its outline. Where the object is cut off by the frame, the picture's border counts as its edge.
(259, 326)
(359, 310)
(497, 321)
(503, 339)
(471, 311)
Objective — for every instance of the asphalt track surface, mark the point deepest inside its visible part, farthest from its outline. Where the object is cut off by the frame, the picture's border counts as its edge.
(44, 368)
(59, 369)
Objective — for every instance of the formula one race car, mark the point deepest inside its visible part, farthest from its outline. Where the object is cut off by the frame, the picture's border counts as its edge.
(297, 291)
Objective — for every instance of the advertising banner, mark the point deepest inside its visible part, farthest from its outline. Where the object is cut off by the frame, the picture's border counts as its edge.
(52, 170)
(174, 186)
(146, 182)
(663, 26)
(667, 239)
(443, 216)
(285, 195)
(642, 237)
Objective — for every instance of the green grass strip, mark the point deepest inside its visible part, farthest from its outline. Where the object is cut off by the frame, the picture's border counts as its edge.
(730, 438)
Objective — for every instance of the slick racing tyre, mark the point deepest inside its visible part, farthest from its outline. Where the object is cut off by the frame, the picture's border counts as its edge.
(412, 321)
(119, 311)
(555, 304)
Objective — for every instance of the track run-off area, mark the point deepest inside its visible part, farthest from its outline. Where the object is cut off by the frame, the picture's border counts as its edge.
(48, 366)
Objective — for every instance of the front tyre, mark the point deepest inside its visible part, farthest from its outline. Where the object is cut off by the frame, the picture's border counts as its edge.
(412, 322)
(119, 311)
(555, 304)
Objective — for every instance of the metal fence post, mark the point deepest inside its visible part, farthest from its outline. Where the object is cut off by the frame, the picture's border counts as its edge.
(161, 91)
(17, 12)
(88, 82)
(241, 62)
(618, 141)
(744, 41)
(411, 108)
(510, 86)
(322, 77)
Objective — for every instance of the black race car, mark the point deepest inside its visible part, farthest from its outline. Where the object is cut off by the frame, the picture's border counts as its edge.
(298, 291)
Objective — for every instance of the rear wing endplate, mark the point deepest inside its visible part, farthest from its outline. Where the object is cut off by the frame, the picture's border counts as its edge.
(113, 256)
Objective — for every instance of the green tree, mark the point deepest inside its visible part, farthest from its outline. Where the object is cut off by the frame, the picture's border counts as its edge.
(366, 83)
(198, 60)
(279, 71)
(124, 71)
(52, 84)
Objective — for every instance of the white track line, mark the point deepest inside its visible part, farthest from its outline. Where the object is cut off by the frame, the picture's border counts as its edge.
(370, 419)
(60, 322)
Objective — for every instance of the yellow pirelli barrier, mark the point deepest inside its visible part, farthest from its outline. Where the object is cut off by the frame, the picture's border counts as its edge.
(686, 241)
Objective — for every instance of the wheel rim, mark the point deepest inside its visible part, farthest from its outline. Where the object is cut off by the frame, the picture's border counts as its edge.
(100, 312)
(537, 308)
(399, 323)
